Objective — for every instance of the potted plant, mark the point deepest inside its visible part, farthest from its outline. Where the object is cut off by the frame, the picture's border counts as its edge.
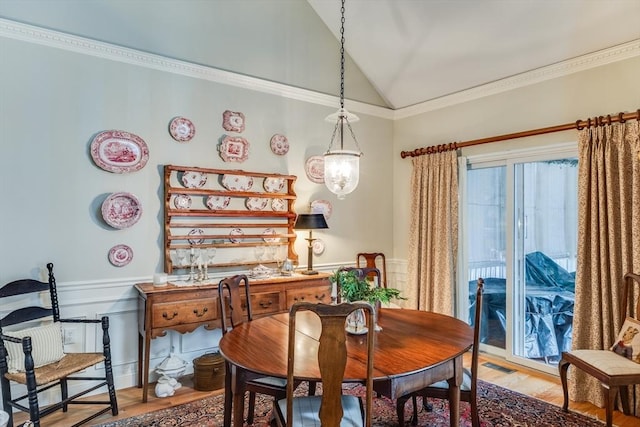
(354, 286)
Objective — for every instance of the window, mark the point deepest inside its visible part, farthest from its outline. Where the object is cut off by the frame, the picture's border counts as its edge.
(520, 236)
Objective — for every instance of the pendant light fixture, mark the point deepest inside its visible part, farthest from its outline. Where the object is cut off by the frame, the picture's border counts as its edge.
(342, 167)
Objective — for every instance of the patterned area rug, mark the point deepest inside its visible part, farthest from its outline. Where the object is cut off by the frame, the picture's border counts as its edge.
(498, 407)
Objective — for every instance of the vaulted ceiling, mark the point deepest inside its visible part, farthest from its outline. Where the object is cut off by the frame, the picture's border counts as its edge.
(414, 51)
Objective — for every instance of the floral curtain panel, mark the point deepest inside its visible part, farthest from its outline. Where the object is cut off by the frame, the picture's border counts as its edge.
(608, 239)
(433, 241)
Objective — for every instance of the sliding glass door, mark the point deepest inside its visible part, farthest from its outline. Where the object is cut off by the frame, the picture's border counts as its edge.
(520, 237)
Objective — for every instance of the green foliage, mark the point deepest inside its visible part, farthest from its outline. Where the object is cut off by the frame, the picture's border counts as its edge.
(352, 288)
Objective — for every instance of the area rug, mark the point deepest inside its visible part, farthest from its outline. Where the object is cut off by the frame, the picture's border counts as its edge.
(498, 407)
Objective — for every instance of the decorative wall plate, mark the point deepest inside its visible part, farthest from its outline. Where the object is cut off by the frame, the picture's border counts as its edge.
(279, 144)
(314, 167)
(256, 203)
(182, 129)
(216, 203)
(323, 207)
(182, 201)
(233, 121)
(119, 151)
(196, 232)
(194, 179)
(235, 232)
(121, 210)
(274, 185)
(236, 182)
(318, 246)
(278, 205)
(120, 255)
(270, 232)
(234, 149)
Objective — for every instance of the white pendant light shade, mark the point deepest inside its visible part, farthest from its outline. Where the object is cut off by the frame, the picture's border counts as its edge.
(341, 171)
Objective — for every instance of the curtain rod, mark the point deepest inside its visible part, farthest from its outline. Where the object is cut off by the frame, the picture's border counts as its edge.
(579, 124)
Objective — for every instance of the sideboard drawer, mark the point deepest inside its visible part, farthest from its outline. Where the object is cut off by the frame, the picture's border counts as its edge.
(265, 303)
(190, 311)
(310, 294)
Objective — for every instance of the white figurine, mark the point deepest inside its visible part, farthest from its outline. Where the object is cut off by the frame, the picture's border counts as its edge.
(166, 386)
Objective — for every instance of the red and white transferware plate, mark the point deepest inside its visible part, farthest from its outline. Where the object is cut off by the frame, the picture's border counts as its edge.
(270, 232)
(120, 255)
(235, 232)
(323, 207)
(193, 179)
(196, 232)
(256, 203)
(121, 210)
(218, 202)
(279, 144)
(233, 121)
(119, 151)
(236, 182)
(182, 201)
(274, 185)
(234, 149)
(314, 167)
(278, 205)
(182, 129)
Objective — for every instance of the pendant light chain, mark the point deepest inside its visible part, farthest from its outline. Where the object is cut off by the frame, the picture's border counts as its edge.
(342, 167)
(342, 56)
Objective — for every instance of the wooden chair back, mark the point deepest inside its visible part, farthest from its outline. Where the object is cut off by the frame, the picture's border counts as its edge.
(332, 358)
(231, 304)
(374, 260)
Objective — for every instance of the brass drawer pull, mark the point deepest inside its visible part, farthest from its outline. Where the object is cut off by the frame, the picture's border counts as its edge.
(266, 304)
(169, 316)
(198, 313)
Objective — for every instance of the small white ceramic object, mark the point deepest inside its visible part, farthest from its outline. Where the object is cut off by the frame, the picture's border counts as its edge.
(160, 279)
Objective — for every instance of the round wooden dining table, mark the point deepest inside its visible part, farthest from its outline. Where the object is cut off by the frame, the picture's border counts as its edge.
(413, 349)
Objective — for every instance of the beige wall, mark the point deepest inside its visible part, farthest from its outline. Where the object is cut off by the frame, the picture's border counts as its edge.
(603, 90)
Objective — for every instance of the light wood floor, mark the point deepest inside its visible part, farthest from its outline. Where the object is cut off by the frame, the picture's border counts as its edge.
(534, 383)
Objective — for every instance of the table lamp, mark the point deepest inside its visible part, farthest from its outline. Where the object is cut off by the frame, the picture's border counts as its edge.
(310, 222)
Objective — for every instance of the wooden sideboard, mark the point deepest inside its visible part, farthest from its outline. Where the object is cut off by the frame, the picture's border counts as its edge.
(186, 308)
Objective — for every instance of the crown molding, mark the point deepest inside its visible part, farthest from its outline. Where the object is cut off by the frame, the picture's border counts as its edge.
(56, 39)
(585, 62)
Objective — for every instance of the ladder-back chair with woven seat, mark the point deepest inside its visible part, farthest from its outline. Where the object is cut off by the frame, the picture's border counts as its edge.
(615, 371)
(332, 408)
(235, 309)
(469, 386)
(32, 354)
(374, 260)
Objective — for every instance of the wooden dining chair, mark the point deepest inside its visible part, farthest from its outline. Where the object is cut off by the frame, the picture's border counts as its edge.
(32, 354)
(235, 309)
(374, 260)
(469, 387)
(614, 371)
(332, 408)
